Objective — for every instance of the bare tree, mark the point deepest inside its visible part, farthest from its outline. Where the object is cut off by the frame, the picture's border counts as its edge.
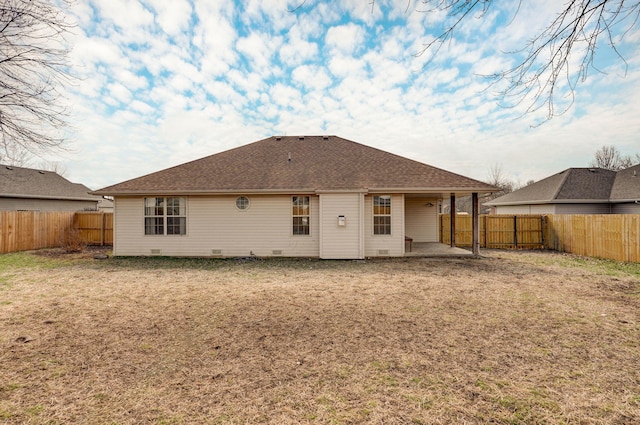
(609, 157)
(54, 166)
(555, 60)
(497, 178)
(33, 66)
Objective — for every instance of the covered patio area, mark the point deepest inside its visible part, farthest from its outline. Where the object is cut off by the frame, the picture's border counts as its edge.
(435, 250)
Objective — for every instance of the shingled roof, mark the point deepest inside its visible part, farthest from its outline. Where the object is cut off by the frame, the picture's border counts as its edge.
(578, 185)
(626, 188)
(298, 164)
(18, 182)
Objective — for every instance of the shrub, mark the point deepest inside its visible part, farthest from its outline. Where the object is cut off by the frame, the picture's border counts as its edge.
(71, 241)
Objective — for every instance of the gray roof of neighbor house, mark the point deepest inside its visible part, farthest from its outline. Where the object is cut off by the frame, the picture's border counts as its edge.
(578, 185)
(18, 182)
(627, 185)
(301, 164)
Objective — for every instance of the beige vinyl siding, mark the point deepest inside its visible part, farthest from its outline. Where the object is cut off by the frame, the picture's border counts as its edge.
(26, 204)
(215, 227)
(421, 219)
(628, 208)
(385, 245)
(583, 209)
(341, 242)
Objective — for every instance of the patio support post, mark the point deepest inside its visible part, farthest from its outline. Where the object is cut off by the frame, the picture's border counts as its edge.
(475, 226)
(452, 220)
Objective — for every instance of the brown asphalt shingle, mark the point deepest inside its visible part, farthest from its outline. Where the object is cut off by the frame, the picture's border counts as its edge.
(293, 163)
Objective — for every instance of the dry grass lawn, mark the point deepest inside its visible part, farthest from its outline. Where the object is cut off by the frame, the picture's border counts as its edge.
(512, 338)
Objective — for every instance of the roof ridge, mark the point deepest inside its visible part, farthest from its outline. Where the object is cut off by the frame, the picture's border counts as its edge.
(561, 185)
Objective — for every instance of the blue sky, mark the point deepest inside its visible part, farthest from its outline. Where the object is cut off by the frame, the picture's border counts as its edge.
(163, 82)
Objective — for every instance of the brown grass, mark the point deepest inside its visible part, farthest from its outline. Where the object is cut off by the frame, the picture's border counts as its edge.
(513, 338)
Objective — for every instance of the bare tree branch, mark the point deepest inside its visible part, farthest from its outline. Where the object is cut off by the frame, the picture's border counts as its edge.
(33, 67)
(540, 78)
(546, 78)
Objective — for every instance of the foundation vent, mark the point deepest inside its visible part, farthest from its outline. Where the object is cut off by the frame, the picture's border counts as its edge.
(383, 252)
(156, 251)
(216, 252)
(276, 252)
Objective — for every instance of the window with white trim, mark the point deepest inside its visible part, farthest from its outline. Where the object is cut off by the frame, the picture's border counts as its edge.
(300, 214)
(382, 215)
(165, 216)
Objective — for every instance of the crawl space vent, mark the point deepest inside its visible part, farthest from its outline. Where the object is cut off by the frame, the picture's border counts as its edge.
(156, 251)
(383, 252)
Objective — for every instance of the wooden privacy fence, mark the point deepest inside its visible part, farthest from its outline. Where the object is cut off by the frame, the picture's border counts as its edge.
(497, 231)
(26, 230)
(612, 236)
(95, 228)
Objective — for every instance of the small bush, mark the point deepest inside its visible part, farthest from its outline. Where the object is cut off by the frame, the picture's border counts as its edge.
(71, 241)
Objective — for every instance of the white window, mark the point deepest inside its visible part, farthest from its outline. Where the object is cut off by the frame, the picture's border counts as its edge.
(165, 216)
(382, 215)
(300, 205)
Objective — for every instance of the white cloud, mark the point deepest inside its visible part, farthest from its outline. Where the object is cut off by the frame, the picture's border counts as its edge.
(215, 36)
(119, 92)
(296, 50)
(173, 16)
(259, 48)
(345, 39)
(311, 77)
(345, 66)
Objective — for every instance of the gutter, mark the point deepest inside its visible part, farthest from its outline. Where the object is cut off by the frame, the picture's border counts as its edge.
(165, 192)
(62, 198)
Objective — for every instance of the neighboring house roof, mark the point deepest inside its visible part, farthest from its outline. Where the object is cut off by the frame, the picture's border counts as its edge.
(18, 182)
(299, 164)
(627, 185)
(578, 185)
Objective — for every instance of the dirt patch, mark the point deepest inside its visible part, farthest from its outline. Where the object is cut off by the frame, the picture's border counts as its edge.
(511, 338)
(86, 252)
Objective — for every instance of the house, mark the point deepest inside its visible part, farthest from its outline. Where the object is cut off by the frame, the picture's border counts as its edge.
(576, 191)
(28, 189)
(294, 196)
(105, 205)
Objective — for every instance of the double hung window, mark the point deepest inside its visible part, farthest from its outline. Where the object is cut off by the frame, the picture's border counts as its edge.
(165, 216)
(382, 215)
(300, 214)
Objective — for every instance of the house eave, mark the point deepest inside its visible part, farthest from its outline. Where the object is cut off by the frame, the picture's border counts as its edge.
(214, 192)
(625, 201)
(547, 202)
(49, 198)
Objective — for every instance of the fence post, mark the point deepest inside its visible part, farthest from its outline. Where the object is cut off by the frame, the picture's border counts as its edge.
(101, 228)
(515, 230)
(452, 221)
